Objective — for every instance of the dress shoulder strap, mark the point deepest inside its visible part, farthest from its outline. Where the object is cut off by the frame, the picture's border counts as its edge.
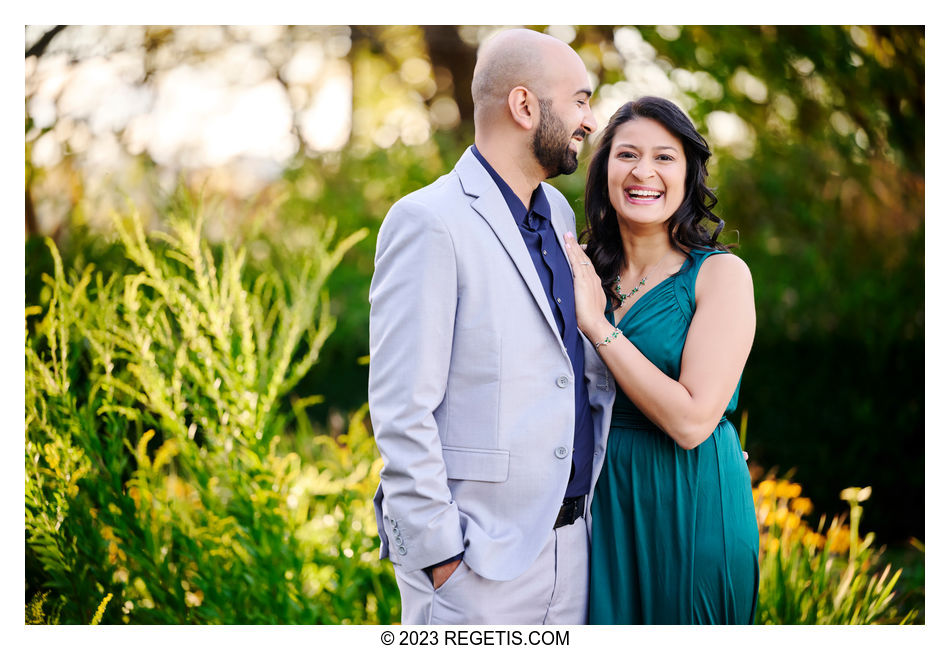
(686, 279)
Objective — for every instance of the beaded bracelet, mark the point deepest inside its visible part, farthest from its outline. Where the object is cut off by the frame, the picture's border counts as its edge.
(610, 337)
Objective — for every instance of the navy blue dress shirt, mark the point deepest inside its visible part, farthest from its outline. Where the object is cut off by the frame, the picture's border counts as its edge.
(554, 271)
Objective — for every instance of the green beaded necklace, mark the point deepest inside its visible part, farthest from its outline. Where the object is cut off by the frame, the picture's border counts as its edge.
(623, 296)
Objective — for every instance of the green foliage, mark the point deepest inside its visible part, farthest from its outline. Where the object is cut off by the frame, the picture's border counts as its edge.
(358, 189)
(154, 466)
(826, 576)
(36, 613)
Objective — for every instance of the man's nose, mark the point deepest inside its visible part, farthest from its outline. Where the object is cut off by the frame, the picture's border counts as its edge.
(590, 122)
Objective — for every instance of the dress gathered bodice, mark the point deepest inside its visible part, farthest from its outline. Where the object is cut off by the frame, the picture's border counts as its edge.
(658, 324)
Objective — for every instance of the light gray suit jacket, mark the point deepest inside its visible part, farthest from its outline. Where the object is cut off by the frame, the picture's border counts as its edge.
(470, 386)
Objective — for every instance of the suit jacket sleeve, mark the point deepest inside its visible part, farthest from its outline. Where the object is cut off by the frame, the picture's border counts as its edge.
(412, 315)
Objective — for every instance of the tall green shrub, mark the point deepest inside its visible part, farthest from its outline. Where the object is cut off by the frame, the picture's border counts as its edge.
(158, 469)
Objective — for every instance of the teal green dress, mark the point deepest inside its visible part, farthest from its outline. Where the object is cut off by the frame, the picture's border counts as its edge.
(675, 538)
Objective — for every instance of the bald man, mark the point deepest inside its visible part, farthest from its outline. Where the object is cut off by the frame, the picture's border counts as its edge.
(489, 408)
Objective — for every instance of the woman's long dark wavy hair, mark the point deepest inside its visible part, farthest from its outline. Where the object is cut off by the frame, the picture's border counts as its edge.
(686, 228)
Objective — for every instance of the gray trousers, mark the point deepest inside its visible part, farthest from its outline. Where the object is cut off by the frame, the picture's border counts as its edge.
(552, 591)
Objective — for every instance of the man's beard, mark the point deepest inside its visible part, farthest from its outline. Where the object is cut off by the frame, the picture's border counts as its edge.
(550, 149)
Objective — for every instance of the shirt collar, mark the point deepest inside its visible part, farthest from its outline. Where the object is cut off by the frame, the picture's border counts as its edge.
(539, 202)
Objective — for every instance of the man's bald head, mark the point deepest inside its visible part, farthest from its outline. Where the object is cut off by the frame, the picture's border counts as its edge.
(516, 57)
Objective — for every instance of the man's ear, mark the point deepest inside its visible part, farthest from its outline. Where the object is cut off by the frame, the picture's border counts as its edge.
(523, 106)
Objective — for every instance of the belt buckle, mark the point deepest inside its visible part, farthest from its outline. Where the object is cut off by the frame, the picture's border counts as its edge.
(570, 510)
(577, 508)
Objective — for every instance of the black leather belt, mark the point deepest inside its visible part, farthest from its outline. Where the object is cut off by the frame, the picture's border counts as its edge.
(571, 509)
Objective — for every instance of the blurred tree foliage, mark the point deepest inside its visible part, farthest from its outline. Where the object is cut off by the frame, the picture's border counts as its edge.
(818, 138)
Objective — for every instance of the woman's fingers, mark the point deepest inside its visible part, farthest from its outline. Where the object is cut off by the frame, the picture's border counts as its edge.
(570, 245)
(575, 254)
(589, 297)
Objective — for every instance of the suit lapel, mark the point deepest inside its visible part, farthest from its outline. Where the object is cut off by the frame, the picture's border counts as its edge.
(490, 205)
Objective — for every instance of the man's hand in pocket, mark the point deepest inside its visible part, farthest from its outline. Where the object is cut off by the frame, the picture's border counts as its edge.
(442, 573)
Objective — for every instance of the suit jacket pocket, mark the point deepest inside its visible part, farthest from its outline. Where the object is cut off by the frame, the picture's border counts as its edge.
(466, 464)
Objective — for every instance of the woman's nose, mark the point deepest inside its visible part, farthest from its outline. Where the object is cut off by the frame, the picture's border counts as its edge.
(643, 170)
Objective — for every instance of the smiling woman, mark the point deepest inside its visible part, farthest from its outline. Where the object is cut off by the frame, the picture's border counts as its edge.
(674, 536)
(647, 168)
(637, 131)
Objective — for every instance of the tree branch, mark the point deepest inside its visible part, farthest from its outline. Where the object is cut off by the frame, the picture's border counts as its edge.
(40, 46)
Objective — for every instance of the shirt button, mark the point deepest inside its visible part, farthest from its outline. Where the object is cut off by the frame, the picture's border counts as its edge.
(402, 550)
(558, 300)
(562, 381)
(544, 252)
(561, 452)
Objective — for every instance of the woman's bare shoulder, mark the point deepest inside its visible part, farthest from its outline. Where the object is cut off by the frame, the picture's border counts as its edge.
(723, 271)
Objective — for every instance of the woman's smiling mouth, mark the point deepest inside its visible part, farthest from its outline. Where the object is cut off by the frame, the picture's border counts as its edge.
(642, 195)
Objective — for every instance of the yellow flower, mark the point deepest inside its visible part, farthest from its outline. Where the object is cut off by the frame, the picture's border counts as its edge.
(766, 487)
(813, 539)
(773, 545)
(178, 489)
(793, 521)
(787, 490)
(839, 539)
(194, 598)
(802, 505)
(115, 553)
(780, 515)
(97, 617)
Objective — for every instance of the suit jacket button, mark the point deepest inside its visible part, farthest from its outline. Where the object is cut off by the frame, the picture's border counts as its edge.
(562, 381)
(561, 452)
